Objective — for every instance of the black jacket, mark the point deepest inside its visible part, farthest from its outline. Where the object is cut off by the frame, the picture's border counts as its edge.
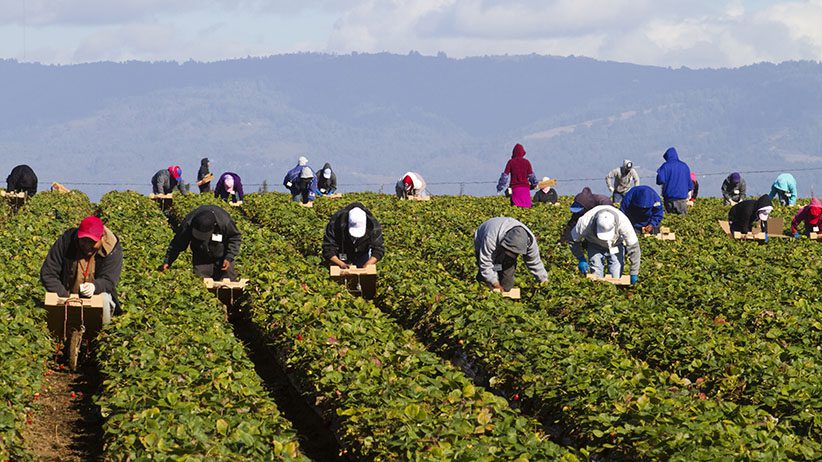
(743, 215)
(338, 241)
(326, 183)
(22, 179)
(202, 174)
(59, 270)
(550, 197)
(211, 251)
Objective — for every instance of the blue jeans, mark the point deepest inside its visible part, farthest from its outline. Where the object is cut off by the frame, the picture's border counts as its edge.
(617, 197)
(597, 256)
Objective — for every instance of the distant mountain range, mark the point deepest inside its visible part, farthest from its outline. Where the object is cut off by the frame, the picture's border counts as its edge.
(375, 116)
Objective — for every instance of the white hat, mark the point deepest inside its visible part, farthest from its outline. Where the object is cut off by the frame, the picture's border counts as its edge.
(764, 213)
(307, 173)
(606, 226)
(327, 173)
(356, 222)
(302, 161)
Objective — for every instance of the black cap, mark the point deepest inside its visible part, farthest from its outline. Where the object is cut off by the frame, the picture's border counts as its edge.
(202, 226)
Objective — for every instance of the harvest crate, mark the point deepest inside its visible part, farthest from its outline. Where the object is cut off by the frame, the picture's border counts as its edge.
(622, 281)
(358, 281)
(664, 234)
(513, 294)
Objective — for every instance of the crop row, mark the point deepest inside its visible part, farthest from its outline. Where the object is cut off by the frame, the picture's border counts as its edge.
(386, 396)
(25, 344)
(764, 369)
(178, 385)
(614, 402)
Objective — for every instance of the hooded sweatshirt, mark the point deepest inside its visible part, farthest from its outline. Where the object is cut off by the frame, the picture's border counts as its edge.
(22, 179)
(488, 246)
(222, 192)
(519, 170)
(163, 183)
(811, 216)
(326, 183)
(694, 187)
(586, 231)
(733, 192)
(674, 176)
(619, 179)
(743, 215)
(338, 241)
(643, 206)
(202, 173)
(785, 183)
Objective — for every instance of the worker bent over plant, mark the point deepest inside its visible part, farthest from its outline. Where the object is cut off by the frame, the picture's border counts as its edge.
(497, 244)
(353, 237)
(86, 261)
(411, 184)
(809, 215)
(214, 240)
(643, 206)
(608, 234)
(742, 216)
(22, 179)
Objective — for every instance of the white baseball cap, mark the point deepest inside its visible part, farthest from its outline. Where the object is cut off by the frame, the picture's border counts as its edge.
(764, 213)
(356, 222)
(327, 173)
(306, 173)
(302, 160)
(606, 226)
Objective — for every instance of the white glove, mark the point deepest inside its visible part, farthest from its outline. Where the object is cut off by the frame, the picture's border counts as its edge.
(288, 185)
(322, 190)
(87, 289)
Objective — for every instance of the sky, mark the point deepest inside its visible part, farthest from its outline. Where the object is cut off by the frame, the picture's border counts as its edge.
(674, 33)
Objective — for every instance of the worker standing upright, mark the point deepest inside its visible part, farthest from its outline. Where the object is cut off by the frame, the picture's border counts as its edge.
(621, 179)
(675, 178)
(518, 176)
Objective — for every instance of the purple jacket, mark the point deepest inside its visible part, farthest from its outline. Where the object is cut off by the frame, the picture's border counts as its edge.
(221, 192)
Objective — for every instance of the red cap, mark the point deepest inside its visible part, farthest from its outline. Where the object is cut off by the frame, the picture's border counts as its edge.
(176, 172)
(92, 228)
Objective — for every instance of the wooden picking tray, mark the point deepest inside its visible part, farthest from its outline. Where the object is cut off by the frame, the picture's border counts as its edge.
(775, 227)
(623, 281)
(225, 284)
(159, 197)
(360, 281)
(513, 294)
(419, 198)
(664, 234)
(332, 196)
(11, 195)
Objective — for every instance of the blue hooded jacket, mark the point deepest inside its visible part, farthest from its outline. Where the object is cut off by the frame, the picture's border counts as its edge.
(643, 206)
(785, 183)
(674, 176)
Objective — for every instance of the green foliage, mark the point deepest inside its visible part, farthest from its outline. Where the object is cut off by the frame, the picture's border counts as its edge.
(178, 384)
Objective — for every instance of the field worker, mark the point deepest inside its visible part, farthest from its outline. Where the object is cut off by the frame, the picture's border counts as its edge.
(22, 179)
(229, 187)
(292, 179)
(214, 241)
(607, 233)
(411, 184)
(326, 181)
(675, 178)
(620, 179)
(164, 181)
(497, 244)
(643, 206)
(205, 186)
(809, 215)
(784, 189)
(353, 237)
(519, 178)
(545, 194)
(742, 216)
(86, 261)
(733, 189)
(694, 193)
(583, 202)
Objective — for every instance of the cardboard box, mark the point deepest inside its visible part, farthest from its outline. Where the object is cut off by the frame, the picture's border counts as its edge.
(775, 228)
(81, 311)
(623, 281)
(513, 294)
(358, 281)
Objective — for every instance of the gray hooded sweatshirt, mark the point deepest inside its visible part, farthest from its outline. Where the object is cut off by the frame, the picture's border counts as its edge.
(487, 240)
(620, 178)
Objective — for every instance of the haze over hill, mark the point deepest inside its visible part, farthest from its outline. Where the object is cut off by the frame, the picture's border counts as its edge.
(376, 116)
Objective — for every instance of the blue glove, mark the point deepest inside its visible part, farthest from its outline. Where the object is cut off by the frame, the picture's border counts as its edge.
(634, 277)
(796, 236)
(583, 267)
(766, 237)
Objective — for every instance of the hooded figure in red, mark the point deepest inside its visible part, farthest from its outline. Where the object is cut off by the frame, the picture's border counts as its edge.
(811, 216)
(522, 178)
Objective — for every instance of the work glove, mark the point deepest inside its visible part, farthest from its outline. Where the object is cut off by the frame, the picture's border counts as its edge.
(322, 190)
(288, 185)
(634, 278)
(766, 237)
(87, 289)
(583, 267)
(796, 235)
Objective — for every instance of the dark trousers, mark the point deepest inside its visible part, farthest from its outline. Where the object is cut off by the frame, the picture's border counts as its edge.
(215, 271)
(505, 276)
(676, 206)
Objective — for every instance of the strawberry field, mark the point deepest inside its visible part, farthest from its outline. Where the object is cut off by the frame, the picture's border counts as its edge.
(716, 354)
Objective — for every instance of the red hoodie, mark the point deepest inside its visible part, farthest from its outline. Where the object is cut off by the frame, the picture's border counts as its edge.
(519, 168)
(811, 215)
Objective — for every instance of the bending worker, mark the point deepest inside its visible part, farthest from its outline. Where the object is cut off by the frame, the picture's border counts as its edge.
(411, 184)
(164, 181)
(301, 182)
(86, 261)
(326, 181)
(619, 180)
(229, 187)
(22, 179)
(733, 189)
(497, 244)
(784, 189)
(214, 240)
(353, 237)
(809, 215)
(545, 194)
(583, 202)
(607, 233)
(742, 216)
(643, 206)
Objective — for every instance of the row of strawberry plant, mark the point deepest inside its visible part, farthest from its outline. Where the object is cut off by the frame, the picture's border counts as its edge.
(776, 373)
(388, 398)
(25, 344)
(177, 382)
(443, 318)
